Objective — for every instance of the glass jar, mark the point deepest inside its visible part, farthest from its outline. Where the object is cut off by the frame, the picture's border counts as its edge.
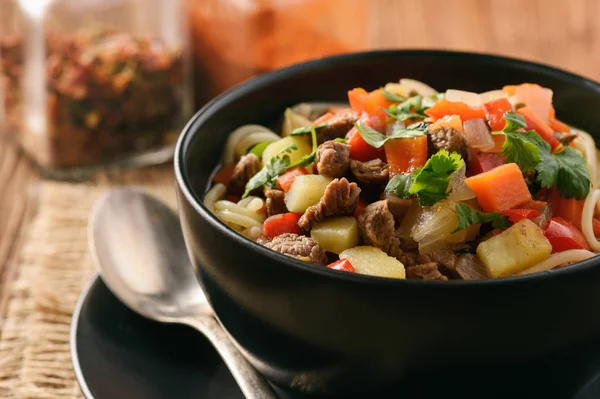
(95, 82)
(234, 40)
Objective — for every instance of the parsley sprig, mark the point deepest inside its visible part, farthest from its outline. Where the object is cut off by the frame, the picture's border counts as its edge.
(468, 216)
(429, 183)
(566, 169)
(268, 175)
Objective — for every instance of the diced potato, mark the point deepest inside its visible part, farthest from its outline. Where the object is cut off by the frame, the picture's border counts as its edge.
(374, 262)
(336, 234)
(411, 86)
(305, 191)
(493, 95)
(514, 250)
(275, 148)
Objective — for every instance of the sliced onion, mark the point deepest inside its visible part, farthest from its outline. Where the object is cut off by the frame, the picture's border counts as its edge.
(539, 99)
(292, 120)
(434, 227)
(460, 190)
(244, 144)
(236, 136)
(414, 86)
(478, 136)
(471, 99)
(493, 95)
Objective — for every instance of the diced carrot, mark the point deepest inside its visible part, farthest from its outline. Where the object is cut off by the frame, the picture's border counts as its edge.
(596, 226)
(569, 209)
(323, 118)
(534, 204)
(499, 140)
(224, 174)
(447, 122)
(558, 126)
(535, 123)
(371, 103)
(445, 107)
(495, 111)
(515, 215)
(406, 155)
(285, 180)
(362, 204)
(500, 189)
(483, 161)
(282, 223)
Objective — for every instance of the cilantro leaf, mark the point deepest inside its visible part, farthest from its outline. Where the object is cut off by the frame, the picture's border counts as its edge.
(408, 109)
(258, 149)
(573, 175)
(340, 140)
(468, 216)
(267, 176)
(430, 101)
(567, 170)
(524, 149)
(310, 158)
(399, 185)
(514, 121)
(377, 140)
(299, 131)
(430, 183)
(391, 96)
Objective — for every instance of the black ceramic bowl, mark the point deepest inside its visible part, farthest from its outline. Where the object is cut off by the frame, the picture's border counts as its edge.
(321, 330)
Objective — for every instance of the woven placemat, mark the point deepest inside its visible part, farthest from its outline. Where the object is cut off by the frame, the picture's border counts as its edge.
(53, 267)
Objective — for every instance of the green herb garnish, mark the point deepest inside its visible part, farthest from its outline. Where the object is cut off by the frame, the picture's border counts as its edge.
(391, 96)
(258, 149)
(377, 140)
(468, 216)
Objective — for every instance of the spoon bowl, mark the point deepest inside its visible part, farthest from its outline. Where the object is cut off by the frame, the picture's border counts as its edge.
(138, 247)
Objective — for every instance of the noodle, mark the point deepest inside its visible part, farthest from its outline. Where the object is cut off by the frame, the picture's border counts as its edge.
(236, 136)
(587, 226)
(560, 259)
(224, 205)
(587, 146)
(242, 220)
(213, 195)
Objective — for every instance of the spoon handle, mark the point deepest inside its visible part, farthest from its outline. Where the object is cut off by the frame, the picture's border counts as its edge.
(252, 384)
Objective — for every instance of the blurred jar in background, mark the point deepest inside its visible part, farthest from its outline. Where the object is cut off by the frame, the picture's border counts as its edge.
(234, 40)
(92, 82)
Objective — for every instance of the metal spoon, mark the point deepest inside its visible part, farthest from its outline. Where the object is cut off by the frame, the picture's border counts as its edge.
(138, 247)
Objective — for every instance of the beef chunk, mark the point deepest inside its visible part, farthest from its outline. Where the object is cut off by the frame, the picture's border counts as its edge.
(247, 166)
(336, 127)
(449, 139)
(299, 247)
(445, 259)
(469, 267)
(398, 206)
(377, 227)
(340, 199)
(565, 138)
(371, 173)
(275, 202)
(425, 271)
(333, 158)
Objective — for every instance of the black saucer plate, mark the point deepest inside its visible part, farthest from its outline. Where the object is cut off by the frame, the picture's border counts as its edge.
(118, 354)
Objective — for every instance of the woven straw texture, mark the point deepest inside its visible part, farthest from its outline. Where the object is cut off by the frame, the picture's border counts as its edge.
(54, 265)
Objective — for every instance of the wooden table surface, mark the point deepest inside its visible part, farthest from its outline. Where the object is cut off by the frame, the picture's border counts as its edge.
(558, 32)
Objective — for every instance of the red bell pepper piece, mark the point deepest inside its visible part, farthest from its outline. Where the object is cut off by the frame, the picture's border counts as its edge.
(483, 161)
(406, 155)
(515, 215)
(563, 235)
(285, 180)
(535, 123)
(282, 223)
(445, 107)
(342, 264)
(495, 111)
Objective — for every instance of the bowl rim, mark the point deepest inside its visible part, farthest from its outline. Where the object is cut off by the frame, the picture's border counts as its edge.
(248, 86)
